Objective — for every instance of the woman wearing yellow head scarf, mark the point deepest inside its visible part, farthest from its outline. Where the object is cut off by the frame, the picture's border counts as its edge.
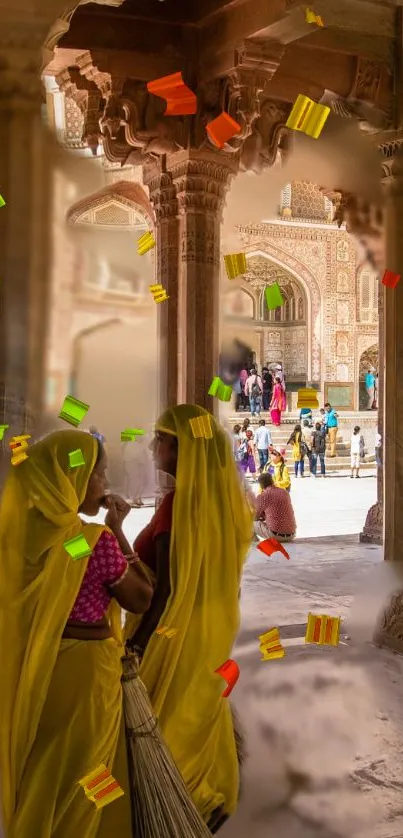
(60, 697)
(196, 545)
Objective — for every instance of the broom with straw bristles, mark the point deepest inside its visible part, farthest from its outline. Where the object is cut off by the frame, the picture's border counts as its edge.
(162, 806)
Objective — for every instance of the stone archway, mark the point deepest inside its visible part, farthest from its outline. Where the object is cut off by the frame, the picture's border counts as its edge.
(368, 359)
(313, 297)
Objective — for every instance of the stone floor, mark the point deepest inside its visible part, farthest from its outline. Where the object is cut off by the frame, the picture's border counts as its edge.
(324, 725)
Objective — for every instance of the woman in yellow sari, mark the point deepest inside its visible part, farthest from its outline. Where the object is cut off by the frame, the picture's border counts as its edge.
(60, 644)
(196, 545)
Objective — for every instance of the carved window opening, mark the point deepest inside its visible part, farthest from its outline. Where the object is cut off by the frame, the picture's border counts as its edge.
(367, 296)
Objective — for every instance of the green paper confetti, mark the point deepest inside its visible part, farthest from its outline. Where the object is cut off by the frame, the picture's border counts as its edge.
(73, 411)
(129, 434)
(76, 458)
(274, 297)
(78, 547)
(2, 201)
(2, 429)
(222, 391)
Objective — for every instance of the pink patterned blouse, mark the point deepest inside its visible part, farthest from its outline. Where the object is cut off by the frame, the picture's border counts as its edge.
(105, 566)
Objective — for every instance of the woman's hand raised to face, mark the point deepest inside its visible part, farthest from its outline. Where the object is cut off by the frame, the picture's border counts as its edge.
(118, 509)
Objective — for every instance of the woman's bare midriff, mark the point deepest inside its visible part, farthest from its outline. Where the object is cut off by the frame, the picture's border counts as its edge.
(99, 630)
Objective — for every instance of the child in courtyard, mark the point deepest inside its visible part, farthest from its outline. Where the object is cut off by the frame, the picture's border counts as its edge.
(279, 470)
(246, 453)
(357, 450)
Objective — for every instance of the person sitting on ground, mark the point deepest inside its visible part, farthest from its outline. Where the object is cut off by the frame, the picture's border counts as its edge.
(298, 450)
(357, 450)
(277, 466)
(274, 513)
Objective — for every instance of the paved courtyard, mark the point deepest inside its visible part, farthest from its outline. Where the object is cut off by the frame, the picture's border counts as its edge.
(323, 725)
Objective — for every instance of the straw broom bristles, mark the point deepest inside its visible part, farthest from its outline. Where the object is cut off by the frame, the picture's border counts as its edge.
(162, 806)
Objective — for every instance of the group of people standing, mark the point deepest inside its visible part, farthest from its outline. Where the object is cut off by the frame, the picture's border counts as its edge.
(266, 391)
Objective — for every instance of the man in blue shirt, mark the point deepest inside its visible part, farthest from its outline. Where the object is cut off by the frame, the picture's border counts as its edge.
(332, 424)
(370, 388)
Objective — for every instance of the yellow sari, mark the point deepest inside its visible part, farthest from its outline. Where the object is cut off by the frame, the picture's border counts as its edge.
(210, 537)
(60, 700)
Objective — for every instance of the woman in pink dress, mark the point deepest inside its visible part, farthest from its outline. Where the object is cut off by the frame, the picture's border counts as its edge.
(278, 402)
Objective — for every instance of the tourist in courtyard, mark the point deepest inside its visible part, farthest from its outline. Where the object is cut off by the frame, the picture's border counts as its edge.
(237, 390)
(278, 469)
(60, 659)
(243, 377)
(305, 415)
(278, 402)
(267, 380)
(318, 449)
(263, 442)
(376, 385)
(370, 388)
(307, 432)
(332, 424)
(236, 441)
(198, 573)
(244, 428)
(298, 450)
(274, 513)
(378, 450)
(254, 391)
(247, 461)
(357, 450)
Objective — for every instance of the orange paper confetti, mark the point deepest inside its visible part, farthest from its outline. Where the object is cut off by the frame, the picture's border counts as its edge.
(221, 129)
(271, 545)
(230, 672)
(179, 98)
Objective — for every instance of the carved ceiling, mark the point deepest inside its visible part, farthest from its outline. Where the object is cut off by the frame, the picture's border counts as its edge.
(261, 272)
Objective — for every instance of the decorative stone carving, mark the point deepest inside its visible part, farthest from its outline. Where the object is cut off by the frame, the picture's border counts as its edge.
(343, 286)
(342, 344)
(342, 251)
(373, 527)
(62, 25)
(367, 81)
(342, 312)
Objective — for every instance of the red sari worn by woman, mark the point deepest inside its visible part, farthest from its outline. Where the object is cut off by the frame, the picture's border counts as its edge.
(278, 403)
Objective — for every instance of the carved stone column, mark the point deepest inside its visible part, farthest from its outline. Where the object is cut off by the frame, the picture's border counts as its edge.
(164, 200)
(189, 199)
(373, 528)
(390, 631)
(24, 227)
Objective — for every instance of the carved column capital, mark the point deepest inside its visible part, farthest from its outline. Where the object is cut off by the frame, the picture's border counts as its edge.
(20, 84)
(162, 190)
(201, 180)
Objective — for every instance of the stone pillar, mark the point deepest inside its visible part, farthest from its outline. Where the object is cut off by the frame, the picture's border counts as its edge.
(189, 199)
(390, 631)
(373, 528)
(24, 226)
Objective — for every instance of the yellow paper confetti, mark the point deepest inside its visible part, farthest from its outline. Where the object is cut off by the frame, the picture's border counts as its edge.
(100, 787)
(145, 243)
(270, 645)
(307, 397)
(322, 630)
(311, 17)
(235, 264)
(201, 427)
(308, 116)
(159, 293)
(166, 632)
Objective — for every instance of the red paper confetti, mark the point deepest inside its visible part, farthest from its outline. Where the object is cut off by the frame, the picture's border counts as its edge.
(270, 545)
(230, 672)
(179, 98)
(390, 279)
(221, 129)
